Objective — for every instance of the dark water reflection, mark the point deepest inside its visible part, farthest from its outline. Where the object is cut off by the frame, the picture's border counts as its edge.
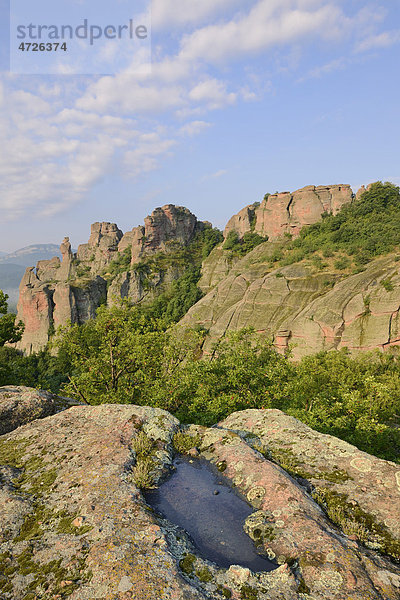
(213, 521)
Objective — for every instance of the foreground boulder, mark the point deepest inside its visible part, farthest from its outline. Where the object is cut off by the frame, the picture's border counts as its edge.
(75, 525)
(20, 405)
(360, 490)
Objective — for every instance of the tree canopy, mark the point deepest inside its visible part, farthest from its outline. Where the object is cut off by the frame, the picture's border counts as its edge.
(10, 332)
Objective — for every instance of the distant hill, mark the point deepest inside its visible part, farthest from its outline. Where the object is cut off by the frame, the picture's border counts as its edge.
(29, 256)
(13, 265)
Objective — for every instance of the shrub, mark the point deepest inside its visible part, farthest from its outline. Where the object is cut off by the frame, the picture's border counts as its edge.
(142, 473)
(364, 228)
(387, 285)
(245, 245)
(142, 445)
(183, 442)
(342, 263)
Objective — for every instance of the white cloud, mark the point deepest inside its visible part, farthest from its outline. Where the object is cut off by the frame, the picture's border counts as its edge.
(61, 137)
(194, 128)
(212, 93)
(269, 23)
(382, 40)
(330, 67)
(51, 160)
(215, 175)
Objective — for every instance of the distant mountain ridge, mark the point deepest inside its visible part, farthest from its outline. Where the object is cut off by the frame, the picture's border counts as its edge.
(30, 255)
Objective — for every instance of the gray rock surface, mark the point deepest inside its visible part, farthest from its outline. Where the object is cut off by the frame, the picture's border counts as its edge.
(20, 405)
(74, 524)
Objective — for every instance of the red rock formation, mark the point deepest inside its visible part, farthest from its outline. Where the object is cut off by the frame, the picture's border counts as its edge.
(287, 212)
(35, 311)
(243, 222)
(70, 291)
(165, 225)
(102, 246)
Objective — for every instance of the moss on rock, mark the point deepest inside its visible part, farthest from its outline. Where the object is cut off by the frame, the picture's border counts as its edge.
(350, 517)
(187, 564)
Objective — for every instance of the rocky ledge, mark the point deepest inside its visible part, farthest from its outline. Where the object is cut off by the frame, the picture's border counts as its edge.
(75, 524)
(20, 405)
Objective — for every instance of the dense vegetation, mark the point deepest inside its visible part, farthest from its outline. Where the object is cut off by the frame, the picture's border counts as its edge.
(133, 355)
(241, 246)
(9, 330)
(366, 228)
(129, 356)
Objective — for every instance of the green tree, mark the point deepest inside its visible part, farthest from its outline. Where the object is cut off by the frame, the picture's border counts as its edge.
(242, 373)
(115, 357)
(245, 245)
(10, 332)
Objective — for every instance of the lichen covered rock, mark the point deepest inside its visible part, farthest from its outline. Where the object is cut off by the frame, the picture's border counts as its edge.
(56, 293)
(75, 525)
(20, 405)
(360, 492)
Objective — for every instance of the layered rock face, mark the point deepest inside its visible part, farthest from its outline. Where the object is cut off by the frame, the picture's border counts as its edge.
(102, 246)
(165, 225)
(297, 306)
(288, 212)
(75, 525)
(58, 292)
(243, 222)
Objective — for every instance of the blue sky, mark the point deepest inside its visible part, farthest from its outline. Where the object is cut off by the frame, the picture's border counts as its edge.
(244, 97)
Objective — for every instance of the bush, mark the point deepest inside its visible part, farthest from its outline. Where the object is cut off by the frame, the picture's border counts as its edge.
(241, 247)
(142, 445)
(142, 473)
(388, 285)
(183, 442)
(342, 263)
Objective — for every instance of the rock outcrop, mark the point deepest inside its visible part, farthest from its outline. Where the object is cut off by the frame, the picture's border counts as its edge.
(215, 268)
(166, 225)
(294, 305)
(70, 290)
(299, 306)
(365, 484)
(243, 222)
(101, 248)
(288, 212)
(74, 525)
(20, 405)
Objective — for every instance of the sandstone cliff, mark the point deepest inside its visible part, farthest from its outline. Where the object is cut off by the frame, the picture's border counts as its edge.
(288, 212)
(76, 525)
(56, 292)
(300, 306)
(296, 305)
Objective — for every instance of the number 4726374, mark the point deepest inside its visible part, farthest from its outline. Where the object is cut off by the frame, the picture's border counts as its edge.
(43, 47)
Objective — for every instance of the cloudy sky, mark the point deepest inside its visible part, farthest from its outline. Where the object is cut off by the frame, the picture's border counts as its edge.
(243, 97)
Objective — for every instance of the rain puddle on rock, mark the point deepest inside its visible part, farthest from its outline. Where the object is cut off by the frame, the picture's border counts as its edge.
(214, 521)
